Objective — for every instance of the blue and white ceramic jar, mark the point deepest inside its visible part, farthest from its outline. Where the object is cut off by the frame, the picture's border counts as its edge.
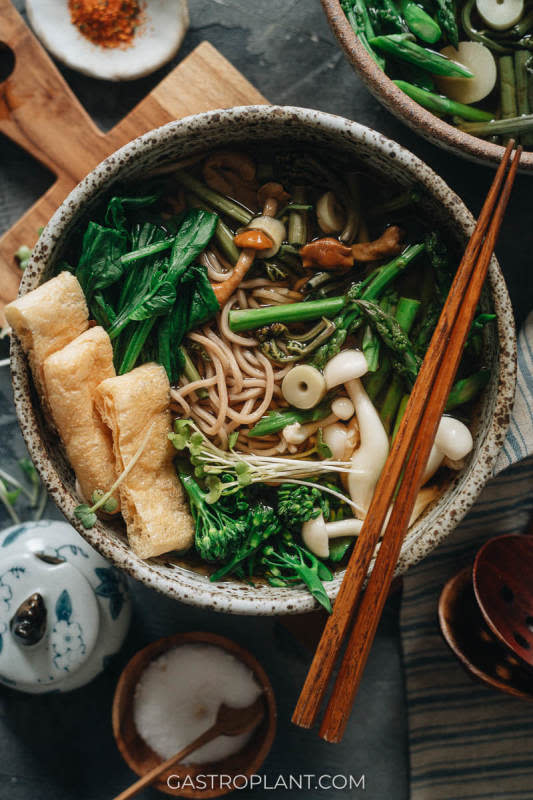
(64, 610)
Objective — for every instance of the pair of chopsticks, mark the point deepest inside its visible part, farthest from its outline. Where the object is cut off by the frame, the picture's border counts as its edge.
(400, 481)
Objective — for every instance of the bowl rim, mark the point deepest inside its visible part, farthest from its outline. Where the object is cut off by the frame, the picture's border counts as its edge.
(422, 121)
(189, 586)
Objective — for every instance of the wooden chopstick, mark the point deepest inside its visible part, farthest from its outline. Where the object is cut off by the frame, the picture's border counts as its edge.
(336, 628)
(373, 600)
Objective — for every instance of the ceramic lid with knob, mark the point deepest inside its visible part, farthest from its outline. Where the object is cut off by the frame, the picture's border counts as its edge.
(64, 610)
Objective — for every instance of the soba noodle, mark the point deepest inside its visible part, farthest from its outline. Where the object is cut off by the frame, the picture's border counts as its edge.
(241, 383)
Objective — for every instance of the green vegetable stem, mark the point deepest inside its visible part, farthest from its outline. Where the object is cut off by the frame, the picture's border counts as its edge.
(419, 22)
(507, 89)
(406, 312)
(275, 421)
(214, 199)
(439, 104)
(399, 45)
(514, 126)
(287, 562)
(359, 18)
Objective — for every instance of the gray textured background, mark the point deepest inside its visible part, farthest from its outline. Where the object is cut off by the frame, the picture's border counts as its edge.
(61, 747)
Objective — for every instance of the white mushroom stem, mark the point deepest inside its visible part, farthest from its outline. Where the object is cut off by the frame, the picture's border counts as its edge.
(372, 453)
(297, 433)
(453, 441)
(316, 533)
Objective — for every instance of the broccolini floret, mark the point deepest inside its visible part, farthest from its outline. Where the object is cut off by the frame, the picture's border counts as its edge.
(298, 504)
(217, 534)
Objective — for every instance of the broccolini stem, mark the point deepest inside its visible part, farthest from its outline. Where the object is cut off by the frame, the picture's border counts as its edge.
(216, 200)
(478, 36)
(251, 318)
(443, 105)
(400, 46)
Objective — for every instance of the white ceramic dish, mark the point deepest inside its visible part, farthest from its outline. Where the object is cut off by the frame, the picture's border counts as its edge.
(164, 23)
(286, 125)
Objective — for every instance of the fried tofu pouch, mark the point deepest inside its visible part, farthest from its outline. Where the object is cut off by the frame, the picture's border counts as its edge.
(48, 318)
(71, 377)
(153, 505)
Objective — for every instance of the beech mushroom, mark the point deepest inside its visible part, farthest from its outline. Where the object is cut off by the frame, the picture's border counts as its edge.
(345, 366)
(224, 290)
(481, 62)
(453, 441)
(316, 533)
(330, 214)
(368, 460)
(337, 437)
(297, 433)
(254, 239)
(273, 228)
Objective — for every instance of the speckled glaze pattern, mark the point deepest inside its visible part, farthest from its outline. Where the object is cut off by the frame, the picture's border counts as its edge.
(398, 103)
(253, 124)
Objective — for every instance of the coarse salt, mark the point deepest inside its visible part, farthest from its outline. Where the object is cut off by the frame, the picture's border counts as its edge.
(178, 697)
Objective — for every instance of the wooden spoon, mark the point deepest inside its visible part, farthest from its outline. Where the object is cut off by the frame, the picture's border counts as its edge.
(229, 722)
(503, 584)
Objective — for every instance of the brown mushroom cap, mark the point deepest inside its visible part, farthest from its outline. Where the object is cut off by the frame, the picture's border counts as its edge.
(272, 191)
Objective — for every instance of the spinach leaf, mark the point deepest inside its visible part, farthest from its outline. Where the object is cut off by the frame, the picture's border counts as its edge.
(100, 262)
(203, 304)
(115, 215)
(159, 301)
(192, 238)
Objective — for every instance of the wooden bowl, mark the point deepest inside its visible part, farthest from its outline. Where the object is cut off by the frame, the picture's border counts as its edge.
(141, 758)
(474, 644)
(423, 122)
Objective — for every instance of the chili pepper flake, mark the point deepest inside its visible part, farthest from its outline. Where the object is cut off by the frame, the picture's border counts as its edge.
(107, 23)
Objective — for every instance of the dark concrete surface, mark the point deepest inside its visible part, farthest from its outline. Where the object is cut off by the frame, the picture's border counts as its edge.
(60, 747)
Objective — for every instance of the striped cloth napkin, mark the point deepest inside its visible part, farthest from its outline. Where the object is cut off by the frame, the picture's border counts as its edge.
(466, 740)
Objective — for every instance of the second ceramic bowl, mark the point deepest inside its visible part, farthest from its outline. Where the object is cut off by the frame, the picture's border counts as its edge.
(283, 125)
(419, 119)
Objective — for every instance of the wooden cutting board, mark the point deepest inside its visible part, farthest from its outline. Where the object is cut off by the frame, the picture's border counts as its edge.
(40, 113)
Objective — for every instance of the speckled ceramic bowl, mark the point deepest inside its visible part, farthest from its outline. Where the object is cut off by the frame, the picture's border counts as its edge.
(423, 122)
(255, 124)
